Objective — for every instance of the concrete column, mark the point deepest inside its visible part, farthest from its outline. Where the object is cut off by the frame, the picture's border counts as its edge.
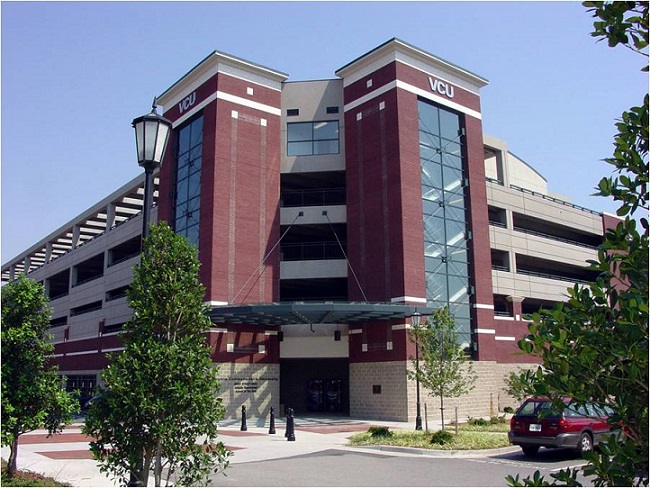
(48, 252)
(12, 272)
(28, 264)
(76, 232)
(110, 216)
(73, 278)
(516, 305)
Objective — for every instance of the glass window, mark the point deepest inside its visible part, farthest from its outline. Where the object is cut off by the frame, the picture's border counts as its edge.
(428, 115)
(188, 179)
(453, 178)
(432, 174)
(436, 287)
(434, 230)
(313, 138)
(429, 153)
(449, 125)
(431, 140)
(326, 130)
(444, 213)
(431, 194)
(326, 147)
(299, 132)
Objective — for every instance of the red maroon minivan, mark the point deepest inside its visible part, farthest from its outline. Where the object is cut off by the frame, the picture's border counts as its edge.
(578, 428)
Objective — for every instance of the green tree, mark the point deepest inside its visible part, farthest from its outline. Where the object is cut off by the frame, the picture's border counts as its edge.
(442, 367)
(159, 409)
(595, 346)
(32, 392)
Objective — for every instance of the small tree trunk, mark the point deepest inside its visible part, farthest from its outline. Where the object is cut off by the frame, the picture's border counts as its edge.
(146, 468)
(442, 411)
(13, 456)
(157, 470)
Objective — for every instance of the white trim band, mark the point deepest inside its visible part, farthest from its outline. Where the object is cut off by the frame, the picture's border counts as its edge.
(81, 353)
(187, 115)
(485, 306)
(113, 349)
(438, 99)
(248, 103)
(416, 91)
(504, 338)
(405, 299)
(485, 331)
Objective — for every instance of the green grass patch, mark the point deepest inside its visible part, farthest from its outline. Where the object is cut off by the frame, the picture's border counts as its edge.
(466, 440)
(504, 428)
(27, 478)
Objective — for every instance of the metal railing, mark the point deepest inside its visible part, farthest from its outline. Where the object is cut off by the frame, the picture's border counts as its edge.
(311, 198)
(305, 251)
(554, 237)
(554, 277)
(553, 199)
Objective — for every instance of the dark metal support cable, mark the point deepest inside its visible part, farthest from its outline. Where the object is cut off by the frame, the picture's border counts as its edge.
(345, 255)
(266, 257)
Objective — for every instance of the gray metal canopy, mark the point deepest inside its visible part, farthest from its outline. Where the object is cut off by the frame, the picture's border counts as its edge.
(313, 313)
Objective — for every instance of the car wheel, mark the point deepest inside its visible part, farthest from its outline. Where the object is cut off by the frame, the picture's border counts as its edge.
(530, 450)
(586, 444)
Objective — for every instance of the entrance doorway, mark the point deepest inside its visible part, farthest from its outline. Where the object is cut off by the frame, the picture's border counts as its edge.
(316, 386)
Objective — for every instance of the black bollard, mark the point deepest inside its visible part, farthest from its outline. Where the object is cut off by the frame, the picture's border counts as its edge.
(272, 422)
(291, 436)
(243, 418)
(286, 423)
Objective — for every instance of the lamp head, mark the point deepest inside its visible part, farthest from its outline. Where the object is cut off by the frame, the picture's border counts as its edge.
(151, 135)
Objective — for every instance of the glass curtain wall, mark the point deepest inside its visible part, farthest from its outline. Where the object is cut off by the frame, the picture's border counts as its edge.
(188, 180)
(446, 251)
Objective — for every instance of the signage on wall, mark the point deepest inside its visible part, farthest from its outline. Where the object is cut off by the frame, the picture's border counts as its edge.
(187, 102)
(446, 89)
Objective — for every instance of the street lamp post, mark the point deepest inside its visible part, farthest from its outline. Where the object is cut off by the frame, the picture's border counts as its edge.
(151, 134)
(415, 321)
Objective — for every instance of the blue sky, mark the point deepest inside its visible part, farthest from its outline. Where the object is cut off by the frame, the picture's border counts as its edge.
(74, 75)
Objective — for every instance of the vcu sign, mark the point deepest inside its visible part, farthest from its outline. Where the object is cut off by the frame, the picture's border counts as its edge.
(441, 87)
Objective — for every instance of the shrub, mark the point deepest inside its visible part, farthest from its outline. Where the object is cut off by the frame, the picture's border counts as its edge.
(478, 421)
(442, 437)
(495, 420)
(508, 410)
(380, 432)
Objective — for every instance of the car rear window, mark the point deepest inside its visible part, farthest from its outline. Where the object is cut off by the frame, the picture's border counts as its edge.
(536, 408)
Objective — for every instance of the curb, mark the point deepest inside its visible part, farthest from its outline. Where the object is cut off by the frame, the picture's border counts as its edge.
(439, 453)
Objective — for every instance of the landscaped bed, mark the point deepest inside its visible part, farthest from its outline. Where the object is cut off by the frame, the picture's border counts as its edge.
(471, 436)
(27, 478)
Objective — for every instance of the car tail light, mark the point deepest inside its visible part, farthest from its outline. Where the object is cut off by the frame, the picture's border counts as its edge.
(562, 425)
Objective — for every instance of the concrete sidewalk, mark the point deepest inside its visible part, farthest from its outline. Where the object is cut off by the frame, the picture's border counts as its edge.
(66, 457)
